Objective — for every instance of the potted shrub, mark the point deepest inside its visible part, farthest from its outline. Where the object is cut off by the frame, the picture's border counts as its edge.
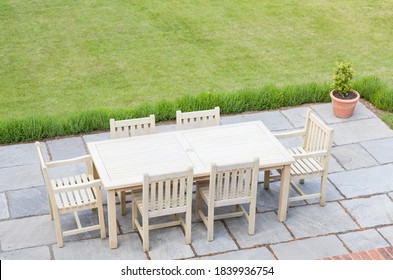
(344, 98)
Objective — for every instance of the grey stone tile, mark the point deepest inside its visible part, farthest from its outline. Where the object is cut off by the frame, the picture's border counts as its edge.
(363, 240)
(21, 154)
(372, 211)
(36, 253)
(310, 249)
(313, 185)
(165, 128)
(28, 202)
(267, 200)
(222, 240)
(379, 149)
(261, 253)
(4, 213)
(313, 220)
(168, 244)
(290, 142)
(325, 111)
(20, 177)
(129, 248)
(365, 181)
(334, 165)
(267, 230)
(66, 148)
(96, 137)
(273, 120)
(360, 131)
(27, 232)
(296, 116)
(387, 232)
(353, 156)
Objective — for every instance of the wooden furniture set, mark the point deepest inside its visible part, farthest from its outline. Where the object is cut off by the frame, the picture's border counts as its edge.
(159, 171)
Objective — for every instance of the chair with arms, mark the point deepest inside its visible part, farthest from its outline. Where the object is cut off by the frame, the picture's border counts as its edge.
(197, 119)
(131, 128)
(162, 195)
(312, 157)
(233, 184)
(72, 194)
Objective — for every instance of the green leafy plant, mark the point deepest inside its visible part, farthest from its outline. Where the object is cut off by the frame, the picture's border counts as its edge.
(342, 77)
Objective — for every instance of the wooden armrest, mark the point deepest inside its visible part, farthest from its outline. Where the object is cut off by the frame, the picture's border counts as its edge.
(315, 154)
(81, 186)
(86, 158)
(290, 134)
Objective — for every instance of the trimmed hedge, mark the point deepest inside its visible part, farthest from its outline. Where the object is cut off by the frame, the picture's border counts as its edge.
(265, 98)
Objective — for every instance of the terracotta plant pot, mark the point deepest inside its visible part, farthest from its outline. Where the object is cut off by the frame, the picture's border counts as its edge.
(343, 108)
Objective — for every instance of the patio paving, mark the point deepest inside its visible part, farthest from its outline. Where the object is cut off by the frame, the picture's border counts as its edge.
(358, 215)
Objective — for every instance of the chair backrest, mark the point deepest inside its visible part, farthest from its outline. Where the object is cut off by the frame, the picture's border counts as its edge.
(132, 127)
(167, 192)
(234, 180)
(197, 119)
(317, 136)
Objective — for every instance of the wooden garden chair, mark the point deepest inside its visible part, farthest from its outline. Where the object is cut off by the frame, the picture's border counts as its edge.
(162, 195)
(197, 119)
(130, 128)
(72, 194)
(233, 184)
(312, 157)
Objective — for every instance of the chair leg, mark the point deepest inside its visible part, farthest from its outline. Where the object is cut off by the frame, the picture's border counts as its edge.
(100, 210)
(145, 232)
(58, 231)
(123, 202)
(134, 214)
(251, 217)
(210, 223)
(301, 181)
(323, 189)
(188, 226)
(198, 202)
(266, 180)
(50, 208)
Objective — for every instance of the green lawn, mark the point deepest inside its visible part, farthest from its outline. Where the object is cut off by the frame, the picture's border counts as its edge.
(60, 56)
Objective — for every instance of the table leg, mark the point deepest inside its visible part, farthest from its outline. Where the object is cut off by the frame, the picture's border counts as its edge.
(112, 219)
(284, 193)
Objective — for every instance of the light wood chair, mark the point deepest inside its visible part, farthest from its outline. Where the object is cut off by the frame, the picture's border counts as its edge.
(162, 195)
(197, 119)
(234, 184)
(130, 128)
(312, 157)
(73, 194)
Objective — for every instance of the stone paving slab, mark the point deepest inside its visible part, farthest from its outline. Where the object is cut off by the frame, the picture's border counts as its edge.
(381, 149)
(360, 131)
(168, 243)
(96, 137)
(130, 248)
(372, 211)
(267, 230)
(21, 154)
(363, 240)
(66, 148)
(313, 220)
(387, 232)
(365, 181)
(28, 202)
(313, 185)
(4, 213)
(296, 116)
(310, 249)
(36, 253)
(261, 253)
(27, 232)
(273, 120)
(222, 240)
(325, 111)
(20, 177)
(353, 156)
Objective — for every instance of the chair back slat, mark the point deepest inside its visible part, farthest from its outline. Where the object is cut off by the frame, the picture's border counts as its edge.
(162, 193)
(132, 127)
(233, 181)
(318, 136)
(188, 120)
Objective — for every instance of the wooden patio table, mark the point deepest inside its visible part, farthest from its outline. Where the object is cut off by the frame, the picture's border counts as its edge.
(121, 163)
